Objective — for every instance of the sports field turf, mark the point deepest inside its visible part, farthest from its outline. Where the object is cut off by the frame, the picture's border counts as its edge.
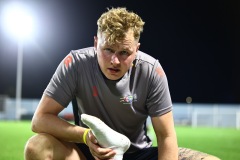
(224, 143)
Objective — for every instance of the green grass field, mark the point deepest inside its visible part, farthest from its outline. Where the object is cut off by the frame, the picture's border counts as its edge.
(224, 143)
(221, 142)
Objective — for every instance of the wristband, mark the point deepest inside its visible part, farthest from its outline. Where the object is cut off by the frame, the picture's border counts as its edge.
(84, 136)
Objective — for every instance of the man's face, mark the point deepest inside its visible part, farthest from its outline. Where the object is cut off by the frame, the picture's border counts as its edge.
(115, 60)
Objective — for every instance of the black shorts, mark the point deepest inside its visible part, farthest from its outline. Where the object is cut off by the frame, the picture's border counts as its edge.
(144, 154)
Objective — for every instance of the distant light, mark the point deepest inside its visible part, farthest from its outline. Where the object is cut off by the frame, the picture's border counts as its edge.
(189, 99)
(17, 20)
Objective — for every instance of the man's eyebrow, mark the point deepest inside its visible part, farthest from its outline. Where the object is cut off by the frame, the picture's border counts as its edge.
(107, 45)
(127, 49)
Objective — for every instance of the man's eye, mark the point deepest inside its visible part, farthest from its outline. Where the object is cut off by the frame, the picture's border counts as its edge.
(124, 53)
(108, 50)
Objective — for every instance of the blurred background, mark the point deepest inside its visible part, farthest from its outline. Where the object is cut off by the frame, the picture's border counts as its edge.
(196, 42)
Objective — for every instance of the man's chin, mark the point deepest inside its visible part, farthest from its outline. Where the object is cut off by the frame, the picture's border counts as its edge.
(113, 77)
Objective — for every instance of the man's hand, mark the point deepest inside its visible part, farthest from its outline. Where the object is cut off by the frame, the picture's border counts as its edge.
(97, 151)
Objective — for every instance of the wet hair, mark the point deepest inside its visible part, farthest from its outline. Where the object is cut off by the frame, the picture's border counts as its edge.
(116, 22)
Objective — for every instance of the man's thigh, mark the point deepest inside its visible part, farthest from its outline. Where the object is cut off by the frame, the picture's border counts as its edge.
(143, 154)
(152, 154)
(183, 154)
(44, 146)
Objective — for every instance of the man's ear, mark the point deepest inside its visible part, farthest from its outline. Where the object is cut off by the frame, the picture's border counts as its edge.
(95, 42)
(138, 46)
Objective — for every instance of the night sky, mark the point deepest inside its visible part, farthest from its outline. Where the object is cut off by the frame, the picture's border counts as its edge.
(197, 43)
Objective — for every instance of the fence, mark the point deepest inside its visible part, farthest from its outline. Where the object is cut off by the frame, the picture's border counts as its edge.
(216, 120)
(212, 115)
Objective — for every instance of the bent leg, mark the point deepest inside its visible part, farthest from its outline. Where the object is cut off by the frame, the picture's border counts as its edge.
(189, 154)
(47, 147)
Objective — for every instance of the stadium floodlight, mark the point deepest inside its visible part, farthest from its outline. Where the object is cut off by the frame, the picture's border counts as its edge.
(19, 23)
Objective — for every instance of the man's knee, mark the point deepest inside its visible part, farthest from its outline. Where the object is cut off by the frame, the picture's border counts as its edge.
(38, 146)
(45, 146)
(189, 154)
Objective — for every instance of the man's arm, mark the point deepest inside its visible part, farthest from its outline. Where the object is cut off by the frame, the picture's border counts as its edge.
(46, 120)
(166, 136)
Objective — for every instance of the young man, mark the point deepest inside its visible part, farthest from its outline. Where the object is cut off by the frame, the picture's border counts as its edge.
(115, 82)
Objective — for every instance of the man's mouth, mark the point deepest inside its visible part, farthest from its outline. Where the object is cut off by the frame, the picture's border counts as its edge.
(113, 70)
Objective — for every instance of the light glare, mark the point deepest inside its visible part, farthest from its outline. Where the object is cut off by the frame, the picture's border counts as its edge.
(18, 21)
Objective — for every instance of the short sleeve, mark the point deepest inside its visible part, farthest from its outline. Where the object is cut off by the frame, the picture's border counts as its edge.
(63, 83)
(159, 100)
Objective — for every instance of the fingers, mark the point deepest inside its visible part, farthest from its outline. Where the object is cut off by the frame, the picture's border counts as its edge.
(97, 151)
(102, 153)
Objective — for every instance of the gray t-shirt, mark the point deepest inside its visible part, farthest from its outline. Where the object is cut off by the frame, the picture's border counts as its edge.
(123, 105)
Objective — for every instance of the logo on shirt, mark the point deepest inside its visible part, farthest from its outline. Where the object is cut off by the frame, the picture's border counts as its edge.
(94, 91)
(68, 60)
(128, 99)
(160, 72)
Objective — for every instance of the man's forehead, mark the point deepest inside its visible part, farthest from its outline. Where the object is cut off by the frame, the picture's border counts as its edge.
(119, 45)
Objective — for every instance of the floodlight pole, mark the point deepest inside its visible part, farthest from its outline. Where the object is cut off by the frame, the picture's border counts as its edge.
(19, 79)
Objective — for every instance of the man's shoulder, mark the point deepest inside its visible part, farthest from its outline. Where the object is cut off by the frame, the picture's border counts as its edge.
(84, 52)
(143, 57)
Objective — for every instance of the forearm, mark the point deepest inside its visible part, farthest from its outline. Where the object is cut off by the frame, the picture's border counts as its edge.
(57, 127)
(167, 148)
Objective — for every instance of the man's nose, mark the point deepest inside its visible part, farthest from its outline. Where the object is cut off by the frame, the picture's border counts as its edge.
(115, 59)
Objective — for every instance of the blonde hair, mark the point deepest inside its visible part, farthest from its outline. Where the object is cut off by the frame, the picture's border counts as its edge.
(116, 22)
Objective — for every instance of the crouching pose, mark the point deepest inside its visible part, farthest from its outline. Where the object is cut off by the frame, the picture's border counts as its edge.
(121, 86)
